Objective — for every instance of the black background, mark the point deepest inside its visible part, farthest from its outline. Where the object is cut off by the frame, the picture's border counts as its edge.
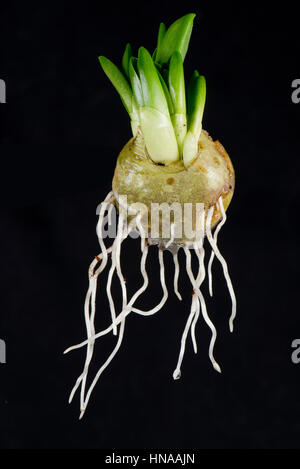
(61, 131)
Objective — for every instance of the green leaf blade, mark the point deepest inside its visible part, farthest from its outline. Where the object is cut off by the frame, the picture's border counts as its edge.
(135, 82)
(153, 94)
(167, 94)
(176, 38)
(161, 33)
(191, 90)
(126, 58)
(196, 103)
(176, 83)
(118, 80)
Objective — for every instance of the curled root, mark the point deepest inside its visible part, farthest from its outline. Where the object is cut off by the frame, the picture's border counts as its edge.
(213, 242)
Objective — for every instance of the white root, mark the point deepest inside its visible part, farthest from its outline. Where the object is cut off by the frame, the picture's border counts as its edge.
(172, 237)
(195, 319)
(197, 304)
(177, 371)
(90, 300)
(129, 307)
(199, 249)
(176, 275)
(116, 251)
(115, 265)
(108, 290)
(126, 308)
(116, 254)
(124, 313)
(222, 261)
(175, 260)
(196, 300)
(111, 356)
(204, 311)
(141, 229)
(109, 213)
(91, 325)
(212, 255)
(124, 294)
(121, 333)
(164, 287)
(193, 316)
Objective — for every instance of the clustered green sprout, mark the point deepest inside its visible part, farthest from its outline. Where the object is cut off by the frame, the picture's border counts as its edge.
(152, 89)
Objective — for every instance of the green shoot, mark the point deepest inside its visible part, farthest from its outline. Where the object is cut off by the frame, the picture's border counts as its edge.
(176, 83)
(154, 115)
(196, 103)
(152, 90)
(135, 82)
(176, 38)
(122, 86)
(125, 60)
(159, 136)
(153, 93)
(119, 82)
(161, 33)
(177, 92)
(167, 94)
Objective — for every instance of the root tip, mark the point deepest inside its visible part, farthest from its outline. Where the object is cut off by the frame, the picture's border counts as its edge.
(217, 367)
(177, 374)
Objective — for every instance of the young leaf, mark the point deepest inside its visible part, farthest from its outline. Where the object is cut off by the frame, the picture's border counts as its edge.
(167, 94)
(190, 148)
(176, 83)
(161, 33)
(126, 57)
(153, 94)
(176, 38)
(196, 103)
(159, 136)
(135, 82)
(163, 71)
(191, 86)
(119, 82)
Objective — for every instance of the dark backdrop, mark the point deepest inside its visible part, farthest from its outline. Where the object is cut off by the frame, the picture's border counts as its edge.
(61, 131)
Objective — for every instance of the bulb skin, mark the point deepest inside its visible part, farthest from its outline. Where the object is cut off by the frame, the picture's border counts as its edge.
(209, 176)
